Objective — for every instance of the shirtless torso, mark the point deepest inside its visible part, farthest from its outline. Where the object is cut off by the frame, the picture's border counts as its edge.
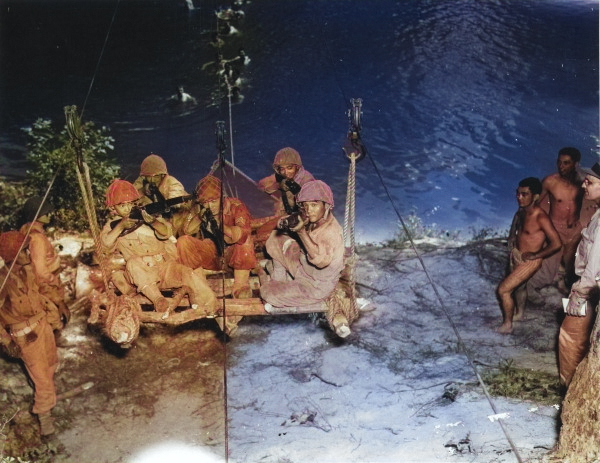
(563, 196)
(534, 238)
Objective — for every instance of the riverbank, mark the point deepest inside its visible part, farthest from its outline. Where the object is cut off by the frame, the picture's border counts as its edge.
(401, 387)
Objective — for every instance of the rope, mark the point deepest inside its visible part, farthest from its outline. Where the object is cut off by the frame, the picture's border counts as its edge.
(447, 314)
(349, 222)
(37, 213)
(230, 123)
(100, 57)
(440, 300)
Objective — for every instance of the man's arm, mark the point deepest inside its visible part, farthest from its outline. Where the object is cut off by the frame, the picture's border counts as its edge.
(545, 195)
(552, 237)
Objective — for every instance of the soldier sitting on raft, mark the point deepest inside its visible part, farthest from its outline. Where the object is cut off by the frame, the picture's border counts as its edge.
(307, 252)
(217, 227)
(148, 247)
(530, 230)
(155, 184)
(283, 185)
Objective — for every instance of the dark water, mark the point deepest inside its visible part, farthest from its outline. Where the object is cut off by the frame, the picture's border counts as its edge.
(461, 99)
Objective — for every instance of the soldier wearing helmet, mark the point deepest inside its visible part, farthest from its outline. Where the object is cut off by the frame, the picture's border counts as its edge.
(311, 252)
(216, 227)
(23, 315)
(155, 184)
(283, 185)
(148, 247)
(45, 262)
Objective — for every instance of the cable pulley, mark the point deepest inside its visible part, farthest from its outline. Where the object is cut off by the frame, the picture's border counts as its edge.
(354, 146)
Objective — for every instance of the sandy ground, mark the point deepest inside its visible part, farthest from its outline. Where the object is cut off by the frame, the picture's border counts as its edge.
(402, 387)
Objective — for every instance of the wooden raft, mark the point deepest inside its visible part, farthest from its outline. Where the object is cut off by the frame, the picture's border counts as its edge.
(183, 313)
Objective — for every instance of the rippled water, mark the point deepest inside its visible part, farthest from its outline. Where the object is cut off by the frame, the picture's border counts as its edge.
(461, 99)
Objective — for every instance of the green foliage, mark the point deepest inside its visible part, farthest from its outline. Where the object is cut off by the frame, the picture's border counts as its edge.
(524, 384)
(14, 195)
(50, 152)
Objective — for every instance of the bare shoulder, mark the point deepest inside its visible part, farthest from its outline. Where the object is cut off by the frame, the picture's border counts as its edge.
(540, 214)
(551, 180)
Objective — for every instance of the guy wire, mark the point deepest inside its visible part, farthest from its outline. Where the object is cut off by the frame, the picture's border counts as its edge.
(431, 282)
(100, 58)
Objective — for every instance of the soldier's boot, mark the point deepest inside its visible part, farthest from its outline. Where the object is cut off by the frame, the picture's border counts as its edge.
(161, 303)
(241, 287)
(46, 424)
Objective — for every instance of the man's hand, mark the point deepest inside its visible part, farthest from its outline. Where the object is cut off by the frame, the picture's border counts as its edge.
(574, 307)
(290, 185)
(126, 223)
(148, 219)
(11, 349)
(292, 223)
(529, 256)
(65, 313)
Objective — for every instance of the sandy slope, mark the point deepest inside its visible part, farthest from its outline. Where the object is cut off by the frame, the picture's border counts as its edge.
(399, 388)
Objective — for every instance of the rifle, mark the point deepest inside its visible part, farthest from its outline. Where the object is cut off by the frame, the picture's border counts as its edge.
(158, 207)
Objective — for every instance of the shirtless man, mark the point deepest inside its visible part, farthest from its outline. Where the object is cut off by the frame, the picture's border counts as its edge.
(561, 198)
(530, 230)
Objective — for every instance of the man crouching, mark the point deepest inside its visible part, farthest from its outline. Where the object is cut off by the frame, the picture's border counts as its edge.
(150, 254)
(307, 252)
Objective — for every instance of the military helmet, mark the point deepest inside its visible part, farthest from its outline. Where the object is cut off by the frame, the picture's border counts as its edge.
(153, 165)
(10, 243)
(285, 157)
(208, 189)
(31, 207)
(119, 192)
(315, 190)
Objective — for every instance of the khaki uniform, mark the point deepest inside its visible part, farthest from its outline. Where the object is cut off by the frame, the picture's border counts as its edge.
(22, 314)
(300, 279)
(574, 335)
(151, 265)
(271, 186)
(45, 266)
(196, 251)
(169, 188)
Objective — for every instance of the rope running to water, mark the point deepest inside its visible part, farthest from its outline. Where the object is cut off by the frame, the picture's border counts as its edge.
(100, 57)
(430, 279)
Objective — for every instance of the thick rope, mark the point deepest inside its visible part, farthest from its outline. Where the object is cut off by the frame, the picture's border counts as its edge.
(88, 202)
(349, 222)
(445, 310)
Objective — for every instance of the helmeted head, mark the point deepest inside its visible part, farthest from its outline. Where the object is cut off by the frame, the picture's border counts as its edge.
(315, 190)
(119, 192)
(208, 189)
(208, 193)
(316, 199)
(153, 165)
(10, 243)
(287, 158)
(31, 207)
